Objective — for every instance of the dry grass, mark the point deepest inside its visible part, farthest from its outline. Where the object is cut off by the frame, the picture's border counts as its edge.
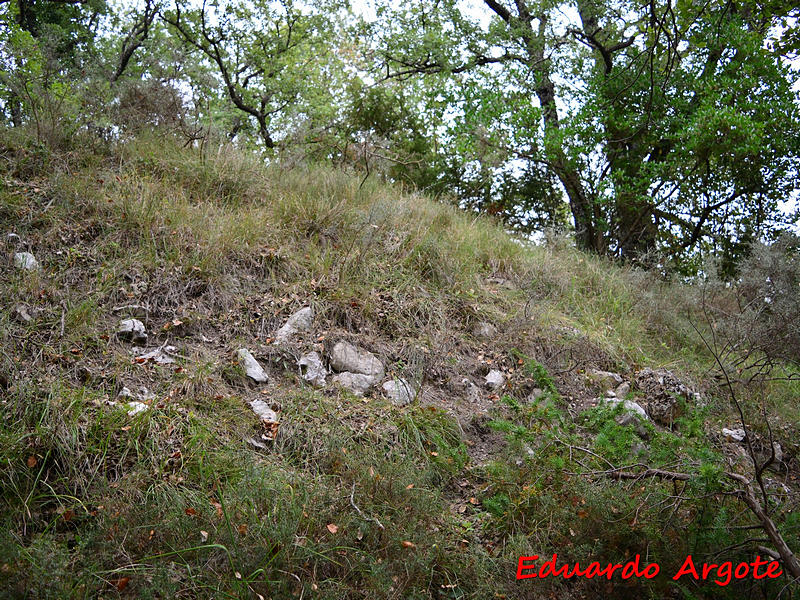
(230, 248)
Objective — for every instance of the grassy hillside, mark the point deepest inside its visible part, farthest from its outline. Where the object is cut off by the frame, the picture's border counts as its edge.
(355, 497)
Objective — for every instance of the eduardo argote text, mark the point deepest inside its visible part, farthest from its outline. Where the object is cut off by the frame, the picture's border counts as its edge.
(529, 567)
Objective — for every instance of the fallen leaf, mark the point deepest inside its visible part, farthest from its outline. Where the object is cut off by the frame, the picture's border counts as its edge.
(242, 529)
(190, 511)
(68, 515)
(120, 583)
(583, 514)
(203, 536)
(237, 575)
(218, 506)
(32, 462)
(434, 454)
(332, 528)
(407, 544)
(410, 486)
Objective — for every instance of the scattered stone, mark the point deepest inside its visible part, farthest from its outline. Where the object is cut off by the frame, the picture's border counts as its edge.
(605, 379)
(484, 331)
(256, 444)
(159, 355)
(356, 383)
(251, 366)
(473, 391)
(134, 408)
(346, 357)
(632, 414)
(622, 390)
(312, 369)
(495, 379)
(611, 394)
(778, 452)
(300, 321)
(264, 412)
(132, 330)
(627, 405)
(25, 261)
(733, 435)
(21, 314)
(663, 390)
(535, 395)
(399, 391)
(143, 394)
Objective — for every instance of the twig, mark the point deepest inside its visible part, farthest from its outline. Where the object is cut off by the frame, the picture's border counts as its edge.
(358, 510)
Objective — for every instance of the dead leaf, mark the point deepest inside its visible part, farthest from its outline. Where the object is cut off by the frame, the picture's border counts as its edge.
(120, 583)
(407, 544)
(203, 536)
(583, 514)
(32, 462)
(68, 515)
(242, 529)
(332, 528)
(190, 511)
(218, 506)
(410, 486)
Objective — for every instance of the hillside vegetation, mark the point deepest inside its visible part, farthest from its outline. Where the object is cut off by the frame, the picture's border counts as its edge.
(350, 497)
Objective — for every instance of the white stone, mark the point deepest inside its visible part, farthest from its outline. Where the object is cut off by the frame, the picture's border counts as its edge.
(300, 321)
(733, 435)
(134, 408)
(132, 330)
(605, 379)
(627, 405)
(495, 379)
(25, 261)
(263, 410)
(346, 357)
(356, 383)
(399, 391)
(312, 369)
(251, 366)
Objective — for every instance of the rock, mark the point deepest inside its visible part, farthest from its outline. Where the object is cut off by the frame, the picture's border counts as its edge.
(632, 414)
(132, 330)
(399, 391)
(622, 390)
(21, 314)
(263, 410)
(312, 369)
(346, 357)
(495, 379)
(134, 408)
(733, 435)
(627, 406)
(484, 331)
(251, 366)
(159, 355)
(25, 261)
(611, 394)
(356, 383)
(778, 451)
(300, 321)
(535, 395)
(143, 395)
(663, 390)
(605, 379)
(472, 390)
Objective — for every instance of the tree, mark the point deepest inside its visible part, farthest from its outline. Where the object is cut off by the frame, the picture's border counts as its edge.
(268, 54)
(667, 126)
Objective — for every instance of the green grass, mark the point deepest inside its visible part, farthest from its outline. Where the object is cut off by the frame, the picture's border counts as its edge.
(175, 503)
